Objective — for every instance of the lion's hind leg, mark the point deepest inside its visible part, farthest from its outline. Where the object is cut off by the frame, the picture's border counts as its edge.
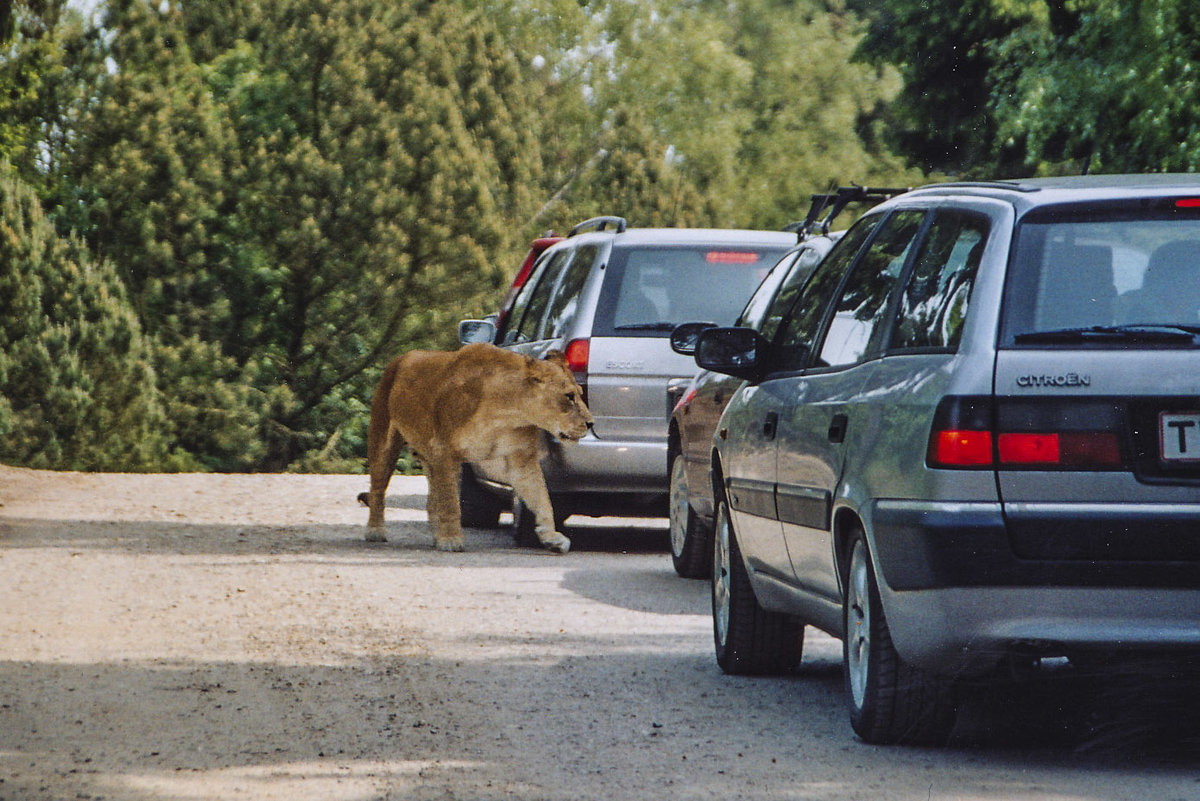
(383, 464)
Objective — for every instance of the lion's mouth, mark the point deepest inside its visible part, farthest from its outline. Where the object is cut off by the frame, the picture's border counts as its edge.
(570, 436)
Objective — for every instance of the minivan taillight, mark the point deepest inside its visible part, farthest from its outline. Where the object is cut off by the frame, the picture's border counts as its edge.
(577, 354)
(1026, 433)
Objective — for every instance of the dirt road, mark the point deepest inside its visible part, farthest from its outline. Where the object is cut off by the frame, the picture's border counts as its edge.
(233, 637)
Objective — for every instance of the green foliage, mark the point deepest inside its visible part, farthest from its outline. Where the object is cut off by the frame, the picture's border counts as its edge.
(1004, 88)
(1113, 87)
(76, 386)
(759, 107)
(295, 191)
(943, 118)
(290, 192)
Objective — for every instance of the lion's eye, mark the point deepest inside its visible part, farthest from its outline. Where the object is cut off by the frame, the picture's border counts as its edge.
(571, 397)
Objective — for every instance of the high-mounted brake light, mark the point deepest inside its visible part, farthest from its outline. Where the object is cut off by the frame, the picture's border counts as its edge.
(730, 257)
(1188, 203)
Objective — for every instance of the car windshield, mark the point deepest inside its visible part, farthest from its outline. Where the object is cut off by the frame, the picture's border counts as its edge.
(1105, 277)
(650, 290)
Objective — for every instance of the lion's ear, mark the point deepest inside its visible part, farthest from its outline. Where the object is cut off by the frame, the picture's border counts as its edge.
(556, 356)
(532, 374)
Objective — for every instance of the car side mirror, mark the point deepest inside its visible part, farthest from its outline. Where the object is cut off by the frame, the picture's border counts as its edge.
(471, 331)
(683, 338)
(738, 352)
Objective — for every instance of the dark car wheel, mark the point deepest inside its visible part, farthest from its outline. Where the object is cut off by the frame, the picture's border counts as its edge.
(749, 639)
(480, 508)
(890, 701)
(691, 540)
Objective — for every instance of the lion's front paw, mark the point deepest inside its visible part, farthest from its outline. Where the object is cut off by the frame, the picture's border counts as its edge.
(451, 544)
(376, 535)
(556, 542)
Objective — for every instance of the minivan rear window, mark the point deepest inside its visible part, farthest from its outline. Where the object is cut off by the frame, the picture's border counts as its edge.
(649, 290)
(1104, 276)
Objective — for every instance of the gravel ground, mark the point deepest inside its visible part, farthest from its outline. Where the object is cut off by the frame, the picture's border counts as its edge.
(234, 637)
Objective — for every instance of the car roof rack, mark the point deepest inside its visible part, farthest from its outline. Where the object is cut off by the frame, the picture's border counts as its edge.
(599, 224)
(832, 203)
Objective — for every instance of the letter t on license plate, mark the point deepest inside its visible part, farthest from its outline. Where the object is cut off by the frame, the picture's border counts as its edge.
(1179, 436)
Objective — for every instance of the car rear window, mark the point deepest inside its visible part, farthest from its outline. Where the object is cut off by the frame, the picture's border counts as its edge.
(649, 290)
(1104, 276)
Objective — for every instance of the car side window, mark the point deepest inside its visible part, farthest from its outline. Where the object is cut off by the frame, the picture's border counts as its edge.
(539, 300)
(865, 295)
(565, 302)
(933, 306)
(800, 324)
(760, 301)
(512, 324)
(806, 261)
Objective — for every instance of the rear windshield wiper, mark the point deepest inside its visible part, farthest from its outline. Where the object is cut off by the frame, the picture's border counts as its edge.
(646, 327)
(1149, 334)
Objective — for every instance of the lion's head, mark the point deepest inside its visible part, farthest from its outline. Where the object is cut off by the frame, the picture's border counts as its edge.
(555, 401)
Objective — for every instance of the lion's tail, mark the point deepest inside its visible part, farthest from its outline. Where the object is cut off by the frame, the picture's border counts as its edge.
(377, 434)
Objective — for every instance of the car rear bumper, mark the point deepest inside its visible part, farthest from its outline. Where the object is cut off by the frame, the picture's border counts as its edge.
(592, 472)
(607, 466)
(962, 631)
(958, 596)
(928, 545)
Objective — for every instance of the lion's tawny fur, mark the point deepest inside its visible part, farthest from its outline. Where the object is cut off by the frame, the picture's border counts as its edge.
(479, 404)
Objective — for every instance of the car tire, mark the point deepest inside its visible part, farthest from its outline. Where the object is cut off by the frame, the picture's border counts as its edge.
(479, 508)
(691, 540)
(749, 639)
(890, 701)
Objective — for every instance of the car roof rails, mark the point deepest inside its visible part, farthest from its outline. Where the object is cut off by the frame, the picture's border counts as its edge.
(599, 224)
(831, 204)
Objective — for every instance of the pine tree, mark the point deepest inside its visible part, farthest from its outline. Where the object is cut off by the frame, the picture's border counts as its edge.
(76, 385)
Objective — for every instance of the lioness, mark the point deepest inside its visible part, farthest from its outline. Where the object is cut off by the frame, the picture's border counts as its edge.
(477, 404)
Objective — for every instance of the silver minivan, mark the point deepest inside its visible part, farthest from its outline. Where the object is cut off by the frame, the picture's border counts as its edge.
(975, 438)
(608, 296)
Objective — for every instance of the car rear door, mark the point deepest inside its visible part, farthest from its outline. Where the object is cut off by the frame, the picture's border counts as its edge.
(751, 423)
(825, 403)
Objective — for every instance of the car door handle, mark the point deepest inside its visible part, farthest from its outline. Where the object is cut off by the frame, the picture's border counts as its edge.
(770, 425)
(837, 428)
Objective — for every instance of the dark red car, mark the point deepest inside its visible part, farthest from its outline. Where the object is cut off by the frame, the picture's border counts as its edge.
(536, 249)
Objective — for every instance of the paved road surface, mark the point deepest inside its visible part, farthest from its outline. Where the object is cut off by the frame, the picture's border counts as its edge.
(233, 637)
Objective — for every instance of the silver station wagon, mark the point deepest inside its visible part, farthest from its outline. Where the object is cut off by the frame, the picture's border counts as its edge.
(608, 296)
(975, 437)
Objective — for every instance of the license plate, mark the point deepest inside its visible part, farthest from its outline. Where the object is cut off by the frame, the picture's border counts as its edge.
(1179, 436)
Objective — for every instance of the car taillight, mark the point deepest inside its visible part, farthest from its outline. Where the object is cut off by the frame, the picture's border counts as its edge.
(1024, 433)
(1066, 449)
(577, 354)
(953, 448)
